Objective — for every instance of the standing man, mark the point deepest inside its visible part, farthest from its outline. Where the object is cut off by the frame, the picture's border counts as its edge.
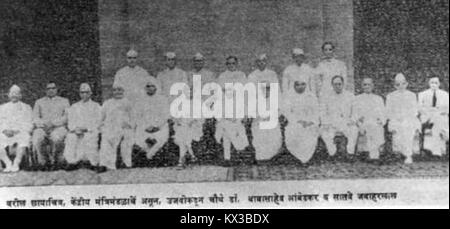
(370, 115)
(117, 129)
(171, 75)
(338, 117)
(132, 77)
(264, 149)
(402, 111)
(152, 114)
(298, 70)
(207, 76)
(84, 119)
(329, 67)
(15, 128)
(262, 74)
(198, 62)
(434, 105)
(50, 120)
(301, 110)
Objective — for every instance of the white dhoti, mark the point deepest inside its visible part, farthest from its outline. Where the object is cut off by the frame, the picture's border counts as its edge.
(339, 128)
(81, 148)
(435, 140)
(404, 136)
(22, 139)
(231, 132)
(185, 133)
(371, 139)
(267, 142)
(159, 137)
(110, 142)
(301, 141)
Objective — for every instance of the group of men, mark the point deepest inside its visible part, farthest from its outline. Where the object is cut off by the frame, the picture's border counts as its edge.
(313, 103)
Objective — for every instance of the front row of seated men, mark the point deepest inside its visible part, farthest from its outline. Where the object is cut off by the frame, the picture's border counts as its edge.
(75, 130)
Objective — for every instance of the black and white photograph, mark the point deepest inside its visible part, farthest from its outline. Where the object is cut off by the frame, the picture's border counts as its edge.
(224, 104)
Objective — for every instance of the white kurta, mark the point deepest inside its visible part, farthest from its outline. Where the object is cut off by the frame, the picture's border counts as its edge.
(326, 70)
(169, 77)
(85, 147)
(228, 92)
(401, 111)
(152, 111)
(117, 128)
(294, 72)
(207, 76)
(370, 114)
(435, 140)
(265, 149)
(231, 131)
(338, 118)
(16, 116)
(301, 140)
(132, 80)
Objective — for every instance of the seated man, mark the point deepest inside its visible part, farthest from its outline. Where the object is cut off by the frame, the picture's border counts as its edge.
(15, 128)
(50, 120)
(231, 129)
(301, 109)
(370, 116)
(117, 129)
(402, 111)
(84, 119)
(151, 117)
(337, 117)
(434, 105)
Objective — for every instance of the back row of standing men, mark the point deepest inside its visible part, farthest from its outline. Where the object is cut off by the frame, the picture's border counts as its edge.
(313, 103)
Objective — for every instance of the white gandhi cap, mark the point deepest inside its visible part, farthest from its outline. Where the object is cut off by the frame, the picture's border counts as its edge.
(170, 55)
(132, 53)
(14, 90)
(298, 51)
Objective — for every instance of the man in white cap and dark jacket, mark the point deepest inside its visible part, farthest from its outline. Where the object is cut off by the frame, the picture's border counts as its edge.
(15, 128)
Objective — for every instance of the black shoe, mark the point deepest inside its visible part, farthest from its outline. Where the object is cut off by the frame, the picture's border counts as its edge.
(100, 169)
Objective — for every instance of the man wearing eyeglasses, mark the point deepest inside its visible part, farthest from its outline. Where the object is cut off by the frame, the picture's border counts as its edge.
(84, 120)
(328, 67)
(231, 130)
(402, 110)
(50, 120)
(132, 77)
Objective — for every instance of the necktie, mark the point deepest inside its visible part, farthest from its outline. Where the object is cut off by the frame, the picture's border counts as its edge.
(434, 99)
